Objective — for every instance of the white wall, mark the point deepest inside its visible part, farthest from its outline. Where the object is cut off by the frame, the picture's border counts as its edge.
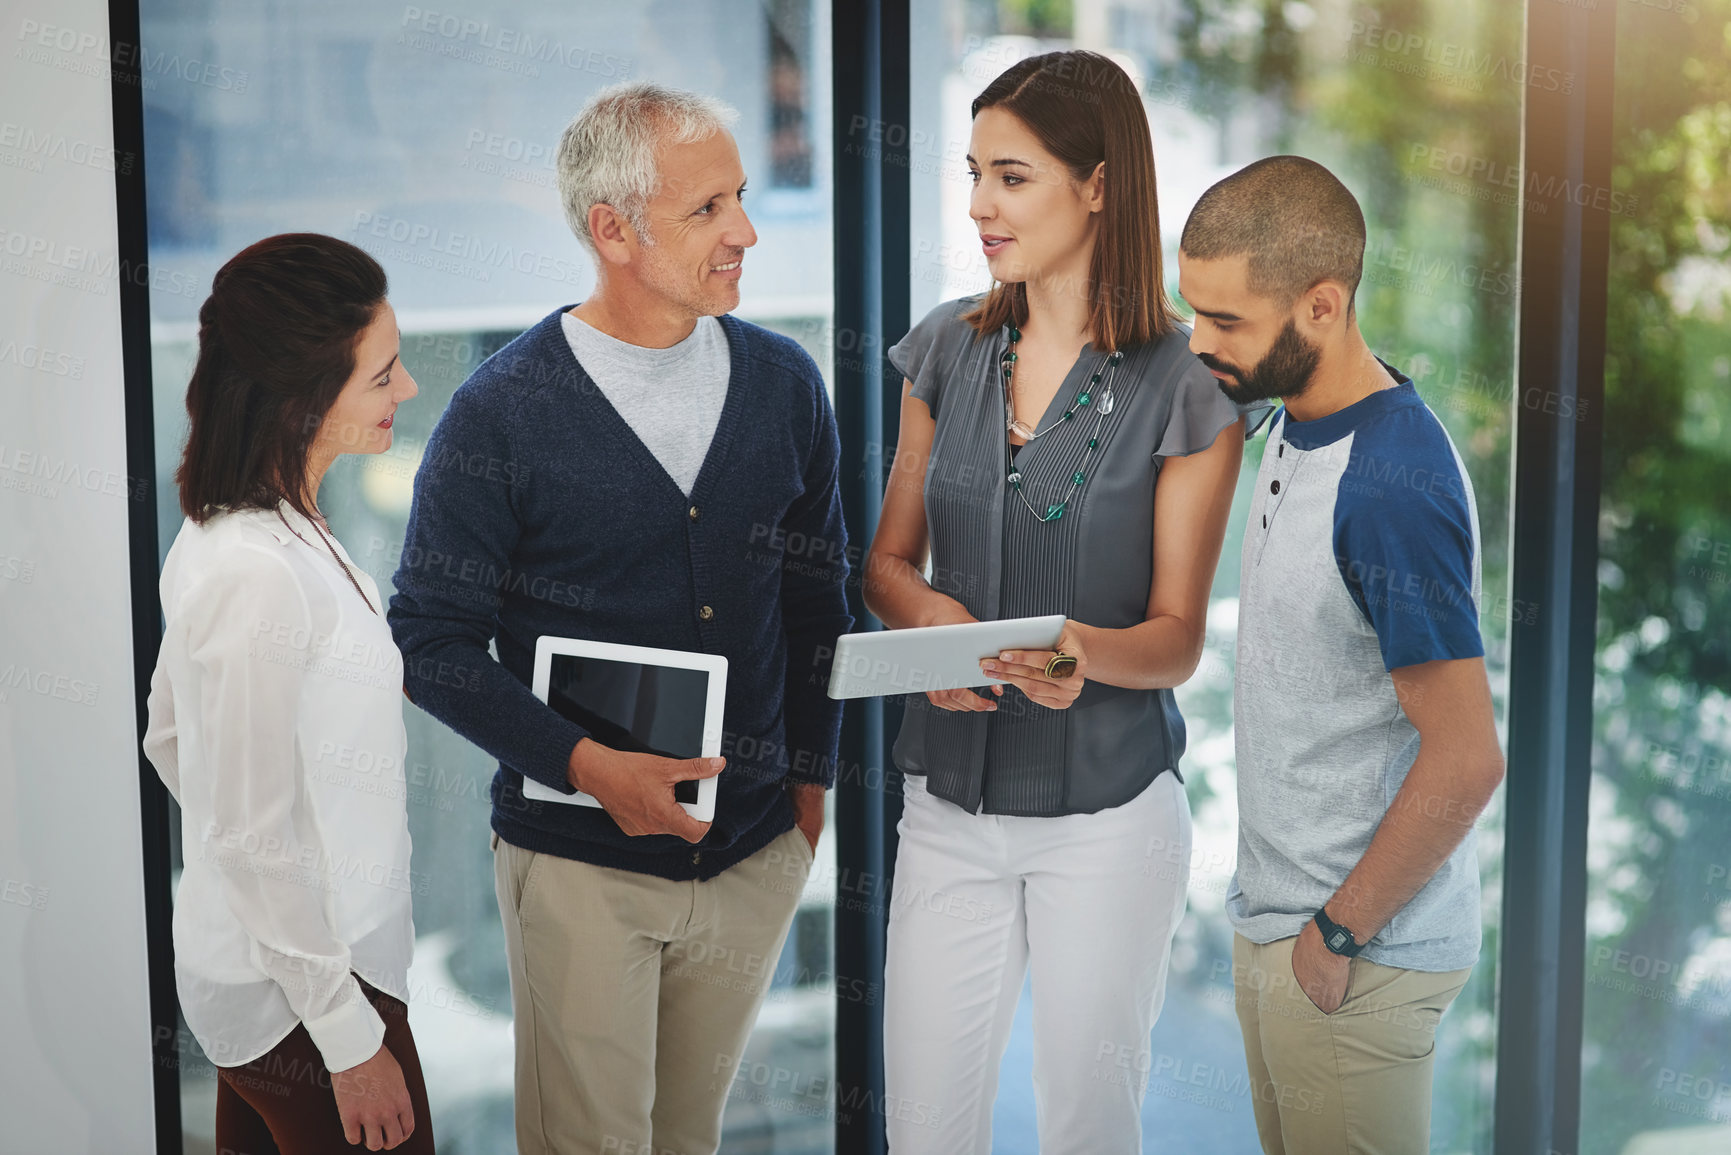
(75, 1060)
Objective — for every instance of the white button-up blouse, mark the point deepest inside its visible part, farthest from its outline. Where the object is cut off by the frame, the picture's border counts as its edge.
(276, 721)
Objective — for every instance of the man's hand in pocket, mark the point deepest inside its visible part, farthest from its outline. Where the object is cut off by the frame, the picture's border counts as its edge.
(807, 799)
(1321, 973)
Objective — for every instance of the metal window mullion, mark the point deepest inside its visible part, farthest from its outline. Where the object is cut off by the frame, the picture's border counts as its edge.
(869, 53)
(1565, 146)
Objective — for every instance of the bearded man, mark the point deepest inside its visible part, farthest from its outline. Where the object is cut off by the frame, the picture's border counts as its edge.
(1365, 737)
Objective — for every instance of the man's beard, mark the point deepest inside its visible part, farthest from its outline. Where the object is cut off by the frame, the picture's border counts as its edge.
(1284, 371)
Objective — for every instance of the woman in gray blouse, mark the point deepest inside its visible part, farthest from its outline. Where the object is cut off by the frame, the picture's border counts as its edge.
(1061, 451)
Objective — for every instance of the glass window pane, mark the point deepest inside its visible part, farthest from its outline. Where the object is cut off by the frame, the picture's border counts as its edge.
(1656, 1065)
(1417, 109)
(427, 137)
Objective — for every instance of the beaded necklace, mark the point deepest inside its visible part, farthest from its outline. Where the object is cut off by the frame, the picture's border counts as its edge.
(1108, 368)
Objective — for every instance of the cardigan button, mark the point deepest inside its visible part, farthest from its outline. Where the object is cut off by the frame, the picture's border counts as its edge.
(705, 613)
(1274, 486)
(697, 858)
(693, 513)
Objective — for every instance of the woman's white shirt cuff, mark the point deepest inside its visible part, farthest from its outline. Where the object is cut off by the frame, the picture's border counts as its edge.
(349, 1033)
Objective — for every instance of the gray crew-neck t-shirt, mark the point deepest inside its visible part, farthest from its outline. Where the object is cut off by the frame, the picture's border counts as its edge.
(1094, 563)
(670, 397)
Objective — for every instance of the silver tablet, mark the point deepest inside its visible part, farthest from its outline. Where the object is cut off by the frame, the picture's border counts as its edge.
(638, 698)
(923, 658)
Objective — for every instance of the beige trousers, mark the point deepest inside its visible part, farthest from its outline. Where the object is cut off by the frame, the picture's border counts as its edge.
(1355, 1082)
(633, 995)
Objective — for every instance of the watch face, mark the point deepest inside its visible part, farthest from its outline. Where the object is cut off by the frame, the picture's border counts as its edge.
(1337, 940)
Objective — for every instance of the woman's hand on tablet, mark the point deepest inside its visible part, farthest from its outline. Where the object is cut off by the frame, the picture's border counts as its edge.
(963, 699)
(1026, 670)
(636, 790)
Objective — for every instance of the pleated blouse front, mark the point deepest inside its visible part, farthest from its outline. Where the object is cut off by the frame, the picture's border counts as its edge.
(1093, 564)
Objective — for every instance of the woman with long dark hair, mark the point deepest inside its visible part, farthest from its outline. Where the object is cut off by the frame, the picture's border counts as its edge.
(276, 717)
(1061, 452)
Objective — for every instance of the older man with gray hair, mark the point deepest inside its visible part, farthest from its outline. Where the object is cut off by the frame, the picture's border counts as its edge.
(633, 469)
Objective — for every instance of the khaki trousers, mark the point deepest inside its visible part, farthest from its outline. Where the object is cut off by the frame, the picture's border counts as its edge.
(633, 995)
(1355, 1082)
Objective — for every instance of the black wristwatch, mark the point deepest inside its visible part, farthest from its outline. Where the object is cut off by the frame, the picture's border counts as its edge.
(1336, 937)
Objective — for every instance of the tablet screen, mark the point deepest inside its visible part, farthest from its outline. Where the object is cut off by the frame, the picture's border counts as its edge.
(632, 706)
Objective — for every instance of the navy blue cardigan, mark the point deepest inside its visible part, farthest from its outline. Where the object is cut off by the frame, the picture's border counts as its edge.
(538, 511)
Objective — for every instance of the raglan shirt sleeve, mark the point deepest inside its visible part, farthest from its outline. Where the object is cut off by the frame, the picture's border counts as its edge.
(1404, 543)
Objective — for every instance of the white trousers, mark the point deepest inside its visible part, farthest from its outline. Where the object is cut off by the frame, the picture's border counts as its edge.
(1090, 901)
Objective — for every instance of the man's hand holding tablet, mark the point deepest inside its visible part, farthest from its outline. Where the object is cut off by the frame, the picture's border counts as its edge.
(636, 790)
(653, 719)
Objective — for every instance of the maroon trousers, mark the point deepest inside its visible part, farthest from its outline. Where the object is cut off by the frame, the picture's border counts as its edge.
(281, 1103)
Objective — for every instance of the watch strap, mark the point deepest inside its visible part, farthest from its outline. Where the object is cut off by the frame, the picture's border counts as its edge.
(1336, 937)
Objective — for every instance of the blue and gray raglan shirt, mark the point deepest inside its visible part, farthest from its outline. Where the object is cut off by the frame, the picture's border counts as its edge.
(1361, 556)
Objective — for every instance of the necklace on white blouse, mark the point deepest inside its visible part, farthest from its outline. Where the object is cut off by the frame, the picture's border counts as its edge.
(347, 572)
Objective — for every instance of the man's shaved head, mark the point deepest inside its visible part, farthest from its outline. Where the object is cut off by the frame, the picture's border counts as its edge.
(1292, 218)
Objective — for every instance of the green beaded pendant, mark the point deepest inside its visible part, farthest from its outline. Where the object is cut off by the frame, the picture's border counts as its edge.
(1084, 398)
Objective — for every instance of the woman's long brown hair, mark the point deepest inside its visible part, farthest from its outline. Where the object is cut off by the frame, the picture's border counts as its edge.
(1085, 110)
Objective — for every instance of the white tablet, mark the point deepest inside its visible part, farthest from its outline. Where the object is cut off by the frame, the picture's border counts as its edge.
(923, 658)
(637, 698)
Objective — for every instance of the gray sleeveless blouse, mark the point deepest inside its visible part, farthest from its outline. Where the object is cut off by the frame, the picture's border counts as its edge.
(1093, 564)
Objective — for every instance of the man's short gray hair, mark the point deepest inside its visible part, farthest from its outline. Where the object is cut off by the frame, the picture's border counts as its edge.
(607, 153)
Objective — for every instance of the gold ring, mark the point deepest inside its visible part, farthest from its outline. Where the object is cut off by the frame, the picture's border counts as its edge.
(1060, 666)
